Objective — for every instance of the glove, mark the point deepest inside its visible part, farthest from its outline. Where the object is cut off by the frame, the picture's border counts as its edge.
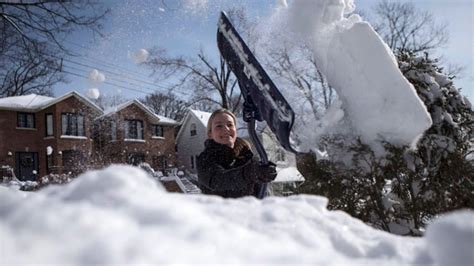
(266, 173)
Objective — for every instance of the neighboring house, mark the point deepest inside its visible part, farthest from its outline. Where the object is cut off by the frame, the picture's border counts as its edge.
(40, 135)
(131, 133)
(190, 138)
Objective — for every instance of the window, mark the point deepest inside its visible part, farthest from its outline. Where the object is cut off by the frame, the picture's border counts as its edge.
(72, 124)
(25, 120)
(157, 131)
(192, 162)
(133, 129)
(193, 130)
(49, 125)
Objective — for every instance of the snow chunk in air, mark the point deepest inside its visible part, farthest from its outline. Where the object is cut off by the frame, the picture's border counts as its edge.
(140, 56)
(378, 101)
(96, 76)
(93, 93)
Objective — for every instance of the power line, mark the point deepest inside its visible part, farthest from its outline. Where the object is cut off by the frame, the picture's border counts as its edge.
(115, 67)
(135, 84)
(111, 78)
(104, 62)
(106, 82)
(150, 91)
(107, 71)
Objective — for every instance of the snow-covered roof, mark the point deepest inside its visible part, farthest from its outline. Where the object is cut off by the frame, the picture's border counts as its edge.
(25, 102)
(289, 174)
(156, 118)
(202, 116)
(35, 103)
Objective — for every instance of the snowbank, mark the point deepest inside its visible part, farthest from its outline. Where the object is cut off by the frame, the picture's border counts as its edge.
(121, 216)
(451, 239)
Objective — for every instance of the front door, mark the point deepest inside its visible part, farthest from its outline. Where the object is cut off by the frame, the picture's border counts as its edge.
(27, 165)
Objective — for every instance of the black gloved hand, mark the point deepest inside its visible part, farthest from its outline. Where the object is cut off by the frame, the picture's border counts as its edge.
(266, 173)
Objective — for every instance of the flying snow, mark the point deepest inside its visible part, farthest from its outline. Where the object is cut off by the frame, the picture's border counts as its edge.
(377, 101)
(140, 56)
(93, 93)
(96, 76)
(49, 150)
(195, 5)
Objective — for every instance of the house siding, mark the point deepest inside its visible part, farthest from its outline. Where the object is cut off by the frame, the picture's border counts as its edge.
(191, 145)
(153, 149)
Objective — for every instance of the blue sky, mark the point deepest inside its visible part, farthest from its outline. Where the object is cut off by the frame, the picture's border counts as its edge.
(183, 27)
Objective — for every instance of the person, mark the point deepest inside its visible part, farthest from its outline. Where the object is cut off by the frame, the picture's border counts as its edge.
(227, 166)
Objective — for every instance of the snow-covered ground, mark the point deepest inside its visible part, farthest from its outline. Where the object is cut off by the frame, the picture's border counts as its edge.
(120, 215)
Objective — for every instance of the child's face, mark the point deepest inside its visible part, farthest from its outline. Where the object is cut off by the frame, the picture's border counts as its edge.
(223, 130)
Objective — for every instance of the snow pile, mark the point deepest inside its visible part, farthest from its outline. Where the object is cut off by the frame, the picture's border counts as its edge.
(121, 216)
(378, 102)
(451, 239)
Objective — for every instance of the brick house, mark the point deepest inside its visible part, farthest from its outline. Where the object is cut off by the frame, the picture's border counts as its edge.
(40, 135)
(131, 133)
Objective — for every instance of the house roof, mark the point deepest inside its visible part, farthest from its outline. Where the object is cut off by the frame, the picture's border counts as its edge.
(200, 116)
(156, 118)
(35, 103)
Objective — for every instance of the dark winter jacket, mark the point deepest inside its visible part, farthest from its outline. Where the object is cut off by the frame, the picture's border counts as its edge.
(224, 173)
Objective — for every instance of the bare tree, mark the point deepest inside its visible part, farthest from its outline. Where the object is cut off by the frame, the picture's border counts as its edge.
(298, 68)
(168, 105)
(107, 101)
(404, 27)
(206, 81)
(32, 37)
(210, 83)
(33, 71)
